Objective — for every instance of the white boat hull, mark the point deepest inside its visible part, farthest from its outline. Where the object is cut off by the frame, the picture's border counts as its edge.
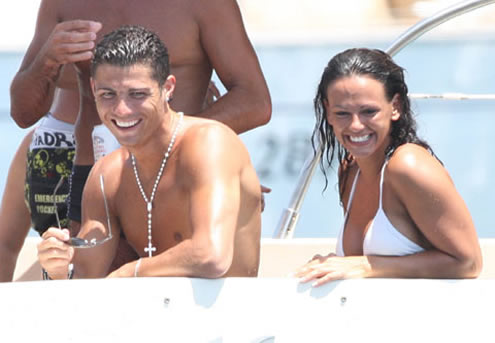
(247, 310)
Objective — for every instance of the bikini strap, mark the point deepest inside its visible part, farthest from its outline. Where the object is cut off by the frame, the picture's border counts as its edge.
(381, 183)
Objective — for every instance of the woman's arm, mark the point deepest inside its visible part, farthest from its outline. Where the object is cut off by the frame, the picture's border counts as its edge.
(436, 209)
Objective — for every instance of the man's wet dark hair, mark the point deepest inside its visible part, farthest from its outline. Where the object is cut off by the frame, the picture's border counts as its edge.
(379, 66)
(130, 45)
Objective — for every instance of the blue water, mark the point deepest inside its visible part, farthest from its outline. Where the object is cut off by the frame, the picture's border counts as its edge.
(459, 131)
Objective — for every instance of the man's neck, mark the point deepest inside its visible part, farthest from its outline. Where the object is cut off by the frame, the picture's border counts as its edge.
(152, 151)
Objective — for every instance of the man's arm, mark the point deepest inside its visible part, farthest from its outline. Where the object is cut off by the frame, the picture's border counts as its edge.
(212, 179)
(55, 255)
(15, 219)
(54, 44)
(247, 103)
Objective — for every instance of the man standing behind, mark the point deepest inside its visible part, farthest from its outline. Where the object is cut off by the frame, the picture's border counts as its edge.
(202, 35)
(182, 189)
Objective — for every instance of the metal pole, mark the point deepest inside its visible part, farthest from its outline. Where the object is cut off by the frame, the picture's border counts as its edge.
(290, 215)
(433, 21)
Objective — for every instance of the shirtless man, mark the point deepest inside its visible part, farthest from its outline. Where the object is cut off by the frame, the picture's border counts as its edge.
(202, 35)
(182, 189)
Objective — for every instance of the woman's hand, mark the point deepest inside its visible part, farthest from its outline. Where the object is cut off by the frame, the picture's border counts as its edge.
(322, 269)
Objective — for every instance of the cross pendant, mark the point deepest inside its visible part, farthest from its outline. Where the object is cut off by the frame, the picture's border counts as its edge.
(149, 249)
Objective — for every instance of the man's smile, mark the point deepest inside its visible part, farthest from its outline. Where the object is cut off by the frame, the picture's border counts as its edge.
(126, 123)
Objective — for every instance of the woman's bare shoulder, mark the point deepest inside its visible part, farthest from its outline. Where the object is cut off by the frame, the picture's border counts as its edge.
(412, 165)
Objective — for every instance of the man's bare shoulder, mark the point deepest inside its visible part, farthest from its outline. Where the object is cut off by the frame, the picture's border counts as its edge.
(111, 164)
(50, 13)
(52, 7)
(201, 7)
(202, 130)
(212, 14)
(209, 138)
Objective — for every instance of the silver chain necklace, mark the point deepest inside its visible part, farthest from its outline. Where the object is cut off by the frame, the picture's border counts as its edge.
(149, 203)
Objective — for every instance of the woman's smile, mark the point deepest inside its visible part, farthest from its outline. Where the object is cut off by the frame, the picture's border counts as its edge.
(359, 139)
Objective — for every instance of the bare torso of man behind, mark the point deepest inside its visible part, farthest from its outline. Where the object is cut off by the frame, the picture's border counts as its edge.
(174, 22)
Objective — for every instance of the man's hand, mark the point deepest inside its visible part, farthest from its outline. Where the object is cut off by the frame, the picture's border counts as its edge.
(70, 41)
(54, 254)
(212, 94)
(127, 270)
(263, 191)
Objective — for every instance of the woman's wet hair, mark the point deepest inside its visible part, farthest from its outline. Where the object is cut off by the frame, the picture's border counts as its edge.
(379, 66)
(130, 45)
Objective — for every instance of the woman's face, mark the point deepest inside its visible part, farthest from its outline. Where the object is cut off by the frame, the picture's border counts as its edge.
(360, 114)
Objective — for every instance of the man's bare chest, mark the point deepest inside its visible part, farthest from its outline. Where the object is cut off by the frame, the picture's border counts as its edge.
(166, 221)
(171, 20)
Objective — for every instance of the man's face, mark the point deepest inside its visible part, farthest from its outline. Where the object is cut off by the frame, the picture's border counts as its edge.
(129, 101)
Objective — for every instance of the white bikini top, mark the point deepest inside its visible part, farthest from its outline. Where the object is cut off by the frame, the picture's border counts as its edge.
(382, 238)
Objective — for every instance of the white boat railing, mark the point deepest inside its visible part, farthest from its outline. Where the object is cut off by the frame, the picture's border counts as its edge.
(452, 96)
(290, 215)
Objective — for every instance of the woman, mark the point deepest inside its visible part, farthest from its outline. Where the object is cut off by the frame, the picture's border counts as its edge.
(403, 215)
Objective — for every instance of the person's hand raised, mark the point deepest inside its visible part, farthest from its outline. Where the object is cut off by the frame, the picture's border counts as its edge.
(71, 41)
